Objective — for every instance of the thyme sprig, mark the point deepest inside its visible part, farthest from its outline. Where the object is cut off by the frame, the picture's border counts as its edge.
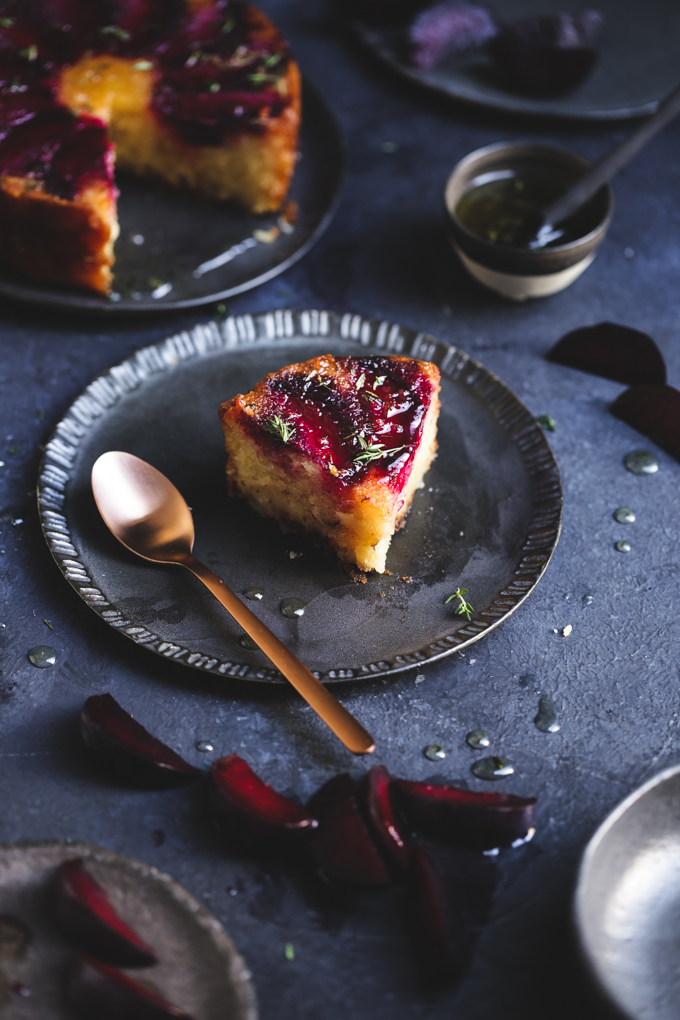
(373, 451)
(283, 430)
(464, 609)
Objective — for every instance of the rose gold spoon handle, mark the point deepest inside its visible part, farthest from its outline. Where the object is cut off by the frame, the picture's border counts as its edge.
(326, 706)
(147, 514)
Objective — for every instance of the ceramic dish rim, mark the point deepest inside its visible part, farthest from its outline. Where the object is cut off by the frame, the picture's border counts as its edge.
(239, 972)
(62, 447)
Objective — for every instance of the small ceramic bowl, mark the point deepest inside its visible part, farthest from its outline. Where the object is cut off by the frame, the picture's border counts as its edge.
(520, 273)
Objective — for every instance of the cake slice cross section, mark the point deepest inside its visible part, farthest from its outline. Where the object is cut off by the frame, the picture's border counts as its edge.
(336, 448)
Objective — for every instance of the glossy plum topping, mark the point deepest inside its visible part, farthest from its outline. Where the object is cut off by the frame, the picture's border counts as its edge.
(350, 415)
(220, 74)
(88, 920)
(218, 71)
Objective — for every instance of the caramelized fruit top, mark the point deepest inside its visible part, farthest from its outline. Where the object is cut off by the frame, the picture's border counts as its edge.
(350, 415)
(218, 70)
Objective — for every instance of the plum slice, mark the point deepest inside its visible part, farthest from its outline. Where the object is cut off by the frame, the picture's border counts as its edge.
(96, 990)
(465, 818)
(449, 29)
(88, 920)
(614, 352)
(342, 846)
(385, 825)
(129, 750)
(548, 54)
(252, 811)
(447, 902)
(655, 412)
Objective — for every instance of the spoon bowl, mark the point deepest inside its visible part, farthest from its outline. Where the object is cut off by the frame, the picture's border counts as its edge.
(142, 508)
(148, 515)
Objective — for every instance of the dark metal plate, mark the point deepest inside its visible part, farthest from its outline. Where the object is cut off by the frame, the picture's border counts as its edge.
(628, 900)
(199, 968)
(638, 63)
(182, 233)
(488, 518)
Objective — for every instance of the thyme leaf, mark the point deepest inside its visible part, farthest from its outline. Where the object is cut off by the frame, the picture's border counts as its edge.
(547, 423)
(283, 430)
(373, 451)
(464, 608)
(115, 30)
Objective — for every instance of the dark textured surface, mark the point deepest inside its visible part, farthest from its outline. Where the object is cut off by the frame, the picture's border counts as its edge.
(614, 679)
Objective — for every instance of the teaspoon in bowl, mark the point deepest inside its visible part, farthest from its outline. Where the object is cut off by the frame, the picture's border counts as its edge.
(148, 515)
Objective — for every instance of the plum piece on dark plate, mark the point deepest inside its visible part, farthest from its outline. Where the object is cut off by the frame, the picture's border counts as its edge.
(252, 812)
(466, 819)
(549, 54)
(448, 30)
(129, 750)
(86, 917)
(98, 992)
(449, 897)
(655, 412)
(614, 352)
(386, 827)
(343, 847)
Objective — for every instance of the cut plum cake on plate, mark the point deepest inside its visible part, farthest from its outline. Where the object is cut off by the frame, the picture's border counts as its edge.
(336, 448)
(200, 94)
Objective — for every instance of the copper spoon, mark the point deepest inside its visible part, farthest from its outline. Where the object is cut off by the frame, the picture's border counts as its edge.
(145, 512)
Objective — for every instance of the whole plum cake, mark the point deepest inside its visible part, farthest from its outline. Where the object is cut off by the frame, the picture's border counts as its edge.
(198, 93)
(336, 447)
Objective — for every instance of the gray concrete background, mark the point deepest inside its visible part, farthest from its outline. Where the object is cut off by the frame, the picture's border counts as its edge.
(614, 678)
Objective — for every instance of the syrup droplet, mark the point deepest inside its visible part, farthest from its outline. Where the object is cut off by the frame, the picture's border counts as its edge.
(232, 891)
(204, 745)
(21, 990)
(546, 720)
(587, 600)
(623, 546)
(624, 515)
(434, 752)
(479, 739)
(293, 608)
(641, 462)
(42, 656)
(254, 594)
(246, 641)
(492, 769)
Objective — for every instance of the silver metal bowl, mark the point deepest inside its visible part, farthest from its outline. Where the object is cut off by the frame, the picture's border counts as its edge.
(627, 901)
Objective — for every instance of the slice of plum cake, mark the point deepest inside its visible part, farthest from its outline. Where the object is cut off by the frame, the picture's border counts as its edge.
(336, 447)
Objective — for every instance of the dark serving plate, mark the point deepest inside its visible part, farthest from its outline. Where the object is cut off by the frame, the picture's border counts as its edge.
(488, 518)
(181, 233)
(638, 63)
